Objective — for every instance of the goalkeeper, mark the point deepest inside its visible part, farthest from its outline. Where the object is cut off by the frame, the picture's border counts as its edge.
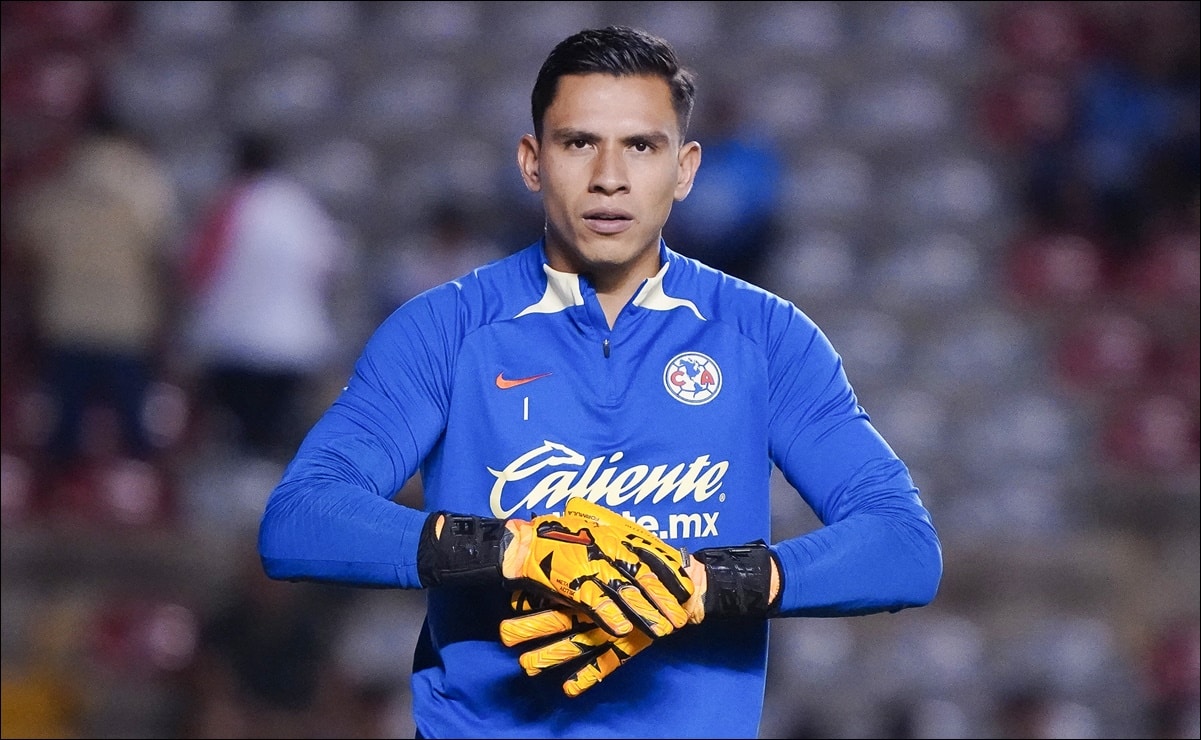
(595, 420)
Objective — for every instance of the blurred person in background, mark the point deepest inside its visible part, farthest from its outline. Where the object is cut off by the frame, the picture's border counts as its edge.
(264, 662)
(261, 269)
(729, 220)
(451, 248)
(1173, 674)
(597, 367)
(93, 237)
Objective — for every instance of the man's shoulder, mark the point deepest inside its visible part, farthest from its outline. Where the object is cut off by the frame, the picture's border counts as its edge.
(718, 289)
(490, 290)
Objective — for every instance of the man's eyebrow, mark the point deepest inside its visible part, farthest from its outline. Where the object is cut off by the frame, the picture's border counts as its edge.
(573, 134)
(656, 138)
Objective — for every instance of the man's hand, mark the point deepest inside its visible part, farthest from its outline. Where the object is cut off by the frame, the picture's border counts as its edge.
(622, 577)
(614, 571)
(576, 639)
(745, 582)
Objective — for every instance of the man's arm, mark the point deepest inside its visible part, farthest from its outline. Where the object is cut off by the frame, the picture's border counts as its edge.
(332, 517)
(878, 549)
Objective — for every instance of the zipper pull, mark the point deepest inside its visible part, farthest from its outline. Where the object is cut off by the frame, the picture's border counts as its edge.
(605, 345)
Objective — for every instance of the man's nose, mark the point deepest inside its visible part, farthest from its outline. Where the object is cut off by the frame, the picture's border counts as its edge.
(609, 174)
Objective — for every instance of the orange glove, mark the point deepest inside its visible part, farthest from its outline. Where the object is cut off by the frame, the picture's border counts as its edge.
(578, 639)
(617, 573)
(729, 582)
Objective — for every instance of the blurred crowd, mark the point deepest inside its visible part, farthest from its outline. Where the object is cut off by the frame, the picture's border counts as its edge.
(169, 332)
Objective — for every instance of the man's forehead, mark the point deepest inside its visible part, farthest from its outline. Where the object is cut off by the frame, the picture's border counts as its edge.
(631, 103)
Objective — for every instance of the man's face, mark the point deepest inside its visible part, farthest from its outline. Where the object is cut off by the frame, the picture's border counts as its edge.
(609, 167)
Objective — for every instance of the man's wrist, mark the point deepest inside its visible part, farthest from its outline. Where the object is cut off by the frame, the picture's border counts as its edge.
(695, 606)
(460, 549)
(741, 581)
(776, 581)
(515, 545)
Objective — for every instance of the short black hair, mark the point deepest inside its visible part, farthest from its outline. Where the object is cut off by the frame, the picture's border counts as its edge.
(619, 51)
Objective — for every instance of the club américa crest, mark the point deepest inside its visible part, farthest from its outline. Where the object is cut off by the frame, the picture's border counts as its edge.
(692, 378)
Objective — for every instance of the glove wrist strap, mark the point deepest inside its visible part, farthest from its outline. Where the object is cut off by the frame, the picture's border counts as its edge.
(739, 581)
(467, 552)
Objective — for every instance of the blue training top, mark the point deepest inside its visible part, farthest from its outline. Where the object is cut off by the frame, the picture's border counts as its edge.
(511, 393)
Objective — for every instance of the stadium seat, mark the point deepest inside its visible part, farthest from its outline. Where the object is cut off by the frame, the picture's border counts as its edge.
(873, 345)
(18, 490)
(946, 189)
(1166, 277)
(915, 421)
(923, 31)
(927, 271)
(894, 109)
(114, 492)
(812, 266)
(309, 26)
(403, 102)
(973, 350)
(184, 25)
(1019, 428)
(1045, 36)
(1153, 433)
(339, 169)
(142, 637)
(790, 105)
(1105, 352)
(811, 29)
(294, 93)
(1050, 269)
(163, 93)
(1019, 109)
(1182, 366)
(832, 184)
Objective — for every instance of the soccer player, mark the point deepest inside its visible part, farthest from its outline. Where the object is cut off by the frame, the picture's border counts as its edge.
(599, 372)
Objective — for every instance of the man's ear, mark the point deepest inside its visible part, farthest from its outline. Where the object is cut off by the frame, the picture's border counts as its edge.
(527, 162)
(687, 162)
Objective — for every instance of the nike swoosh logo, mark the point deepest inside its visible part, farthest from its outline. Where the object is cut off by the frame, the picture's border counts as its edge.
(505, 383)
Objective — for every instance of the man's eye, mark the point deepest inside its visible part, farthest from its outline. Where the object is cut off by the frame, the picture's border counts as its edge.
(578, 143)
(642, 146)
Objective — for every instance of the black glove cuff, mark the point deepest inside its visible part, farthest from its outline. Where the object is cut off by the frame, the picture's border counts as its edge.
(739, 581)
(468, 551)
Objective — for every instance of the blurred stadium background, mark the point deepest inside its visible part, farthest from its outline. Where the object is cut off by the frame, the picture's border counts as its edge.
(992, 208)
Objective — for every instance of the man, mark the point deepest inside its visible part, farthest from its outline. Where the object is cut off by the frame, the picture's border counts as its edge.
(94, 236)
(261, 268)
(599, 373)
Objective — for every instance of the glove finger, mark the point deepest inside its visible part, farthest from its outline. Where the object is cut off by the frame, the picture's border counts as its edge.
(601, 604)
(645, 600)
(664, 600)
(664, 561)
(537, 626)
(667, 566)
(538, 659)
(604, 663)
(625, 597)
(598, 646)
(608, 580)
(526, 601)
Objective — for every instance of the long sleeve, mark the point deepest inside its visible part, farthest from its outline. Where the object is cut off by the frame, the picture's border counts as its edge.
(878, 549)
(331, 517)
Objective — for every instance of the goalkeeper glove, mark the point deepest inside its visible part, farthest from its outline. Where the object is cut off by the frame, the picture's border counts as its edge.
(736, 581)
(612, 574)
(578, 639)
